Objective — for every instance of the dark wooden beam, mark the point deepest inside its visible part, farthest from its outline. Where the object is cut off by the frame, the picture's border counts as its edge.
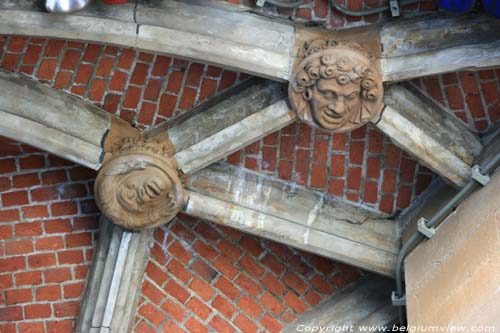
(439, 43)
(358, 308)
(114, 281)
(294, 216)
(237, 40)
(425, 130)
(43, 117)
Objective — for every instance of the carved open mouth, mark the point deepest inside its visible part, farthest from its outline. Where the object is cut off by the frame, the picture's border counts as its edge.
(331, 117)
(333, 114)
(331, 120)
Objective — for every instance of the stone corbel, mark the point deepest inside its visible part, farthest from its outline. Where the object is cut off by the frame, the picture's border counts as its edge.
(337, 87)
(139, 185)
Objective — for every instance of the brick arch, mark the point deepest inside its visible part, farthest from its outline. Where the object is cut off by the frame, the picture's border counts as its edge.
(202, 277)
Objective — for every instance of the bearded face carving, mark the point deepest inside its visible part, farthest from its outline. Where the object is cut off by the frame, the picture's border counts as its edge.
(336, 87)
(139, 187)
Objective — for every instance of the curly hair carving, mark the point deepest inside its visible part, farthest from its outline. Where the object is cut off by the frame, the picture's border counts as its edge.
(345, 63)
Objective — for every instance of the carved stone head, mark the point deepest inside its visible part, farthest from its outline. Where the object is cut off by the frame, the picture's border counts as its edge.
(337, 87)
(139, 186)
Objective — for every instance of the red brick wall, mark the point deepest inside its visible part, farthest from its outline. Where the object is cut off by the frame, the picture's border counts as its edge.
(206, 278)
(472, 96)
(48, 216)
(47, 229)
(363, 166)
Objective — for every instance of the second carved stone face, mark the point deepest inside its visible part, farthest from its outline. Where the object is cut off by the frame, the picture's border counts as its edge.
(139, 190)
(336, 89)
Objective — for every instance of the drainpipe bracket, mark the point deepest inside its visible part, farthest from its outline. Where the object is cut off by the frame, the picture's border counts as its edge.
(398, 301)
(478, 176)
(394, 8)
(428, 232)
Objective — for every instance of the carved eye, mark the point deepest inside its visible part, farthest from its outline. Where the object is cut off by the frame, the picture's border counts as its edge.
(328, 94)
(129, 192)
(352, 95)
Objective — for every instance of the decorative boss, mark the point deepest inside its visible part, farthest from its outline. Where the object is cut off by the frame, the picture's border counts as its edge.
(139, 187)
(337, 87)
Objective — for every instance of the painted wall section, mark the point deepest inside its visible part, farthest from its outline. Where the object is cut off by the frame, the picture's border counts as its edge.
(454, 278)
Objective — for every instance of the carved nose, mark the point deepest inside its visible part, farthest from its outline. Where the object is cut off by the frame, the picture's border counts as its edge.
(337, 108)
(153, 189)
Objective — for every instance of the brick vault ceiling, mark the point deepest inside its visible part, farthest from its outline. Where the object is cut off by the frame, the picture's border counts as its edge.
(198, 272)
(363, 166)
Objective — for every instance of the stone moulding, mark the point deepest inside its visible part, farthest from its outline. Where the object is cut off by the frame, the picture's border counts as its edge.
(337, 87)
(139, 186)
